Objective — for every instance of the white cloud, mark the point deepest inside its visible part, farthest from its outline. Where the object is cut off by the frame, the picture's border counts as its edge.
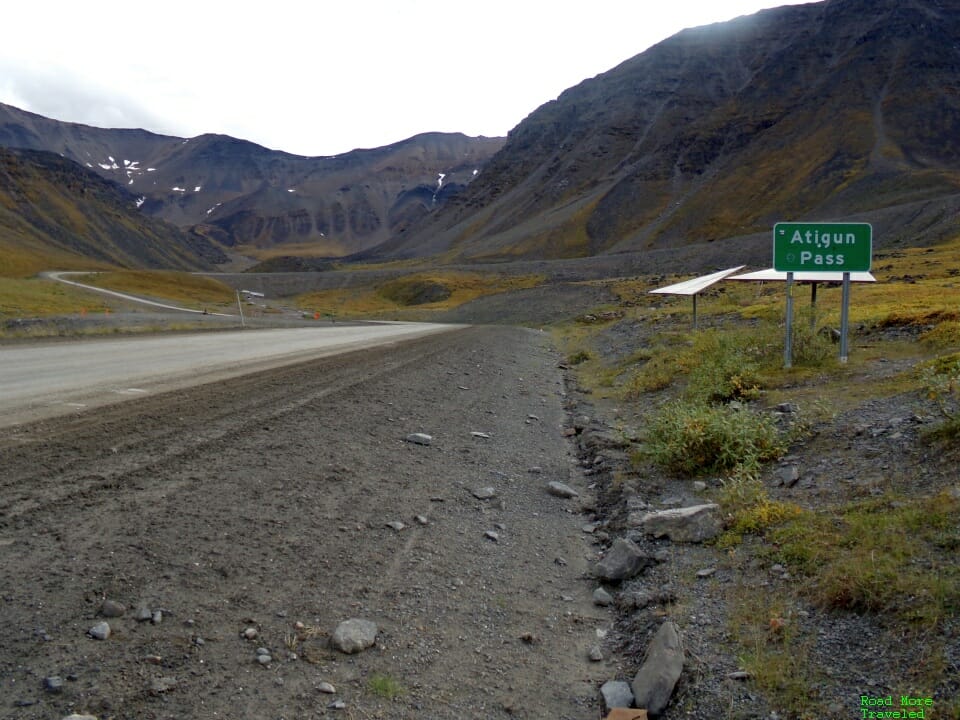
(322, 78)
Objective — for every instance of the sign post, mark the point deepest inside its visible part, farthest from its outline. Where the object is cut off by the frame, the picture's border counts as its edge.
(832, 247)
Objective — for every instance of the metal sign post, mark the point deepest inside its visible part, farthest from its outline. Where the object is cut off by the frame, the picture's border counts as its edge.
(788, 341)
(844, 317)
(834, 247)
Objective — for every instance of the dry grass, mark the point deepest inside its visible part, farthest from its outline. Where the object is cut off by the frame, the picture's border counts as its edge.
(185, 288)
(398, 298)
(38, 297)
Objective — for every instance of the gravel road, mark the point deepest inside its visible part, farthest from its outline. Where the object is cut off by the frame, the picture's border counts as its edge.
(39, 380)
(261, 506)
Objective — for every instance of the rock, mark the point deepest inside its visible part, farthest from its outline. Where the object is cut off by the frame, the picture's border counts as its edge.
(142, 613)
(616, 693)
(264, 659)
(80, 717)
(688, 524)
(558, 489)
(53, 684)
(112, 609)
(157, 617)
(354, 635)
(788, 407)
(250, 633)
(100, 631)
(706, 572)
(162, 684)
(491, 535)
(421, 519)
(396, 525)
(602, 598)
(654, 682)
(622, 561)
(788, 475)
(419, 438)
(535, 470)
(699, 486)
(482, 435)
(596, 654)
(484, 493)
(739, 675)
(327, 688)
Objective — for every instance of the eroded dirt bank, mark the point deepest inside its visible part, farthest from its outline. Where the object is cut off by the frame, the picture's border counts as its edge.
(264, 502)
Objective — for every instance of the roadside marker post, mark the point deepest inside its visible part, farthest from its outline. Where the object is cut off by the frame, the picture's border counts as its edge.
(839, 248)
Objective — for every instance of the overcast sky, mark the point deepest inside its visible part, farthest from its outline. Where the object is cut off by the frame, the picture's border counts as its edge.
(319, 77)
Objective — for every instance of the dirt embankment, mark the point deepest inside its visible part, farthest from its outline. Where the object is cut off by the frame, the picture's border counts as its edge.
(263, 503)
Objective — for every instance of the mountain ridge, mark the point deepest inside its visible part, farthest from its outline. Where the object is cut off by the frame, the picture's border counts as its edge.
(248, 196)
(830, 108)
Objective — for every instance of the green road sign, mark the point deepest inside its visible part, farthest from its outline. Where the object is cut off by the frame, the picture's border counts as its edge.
(835, 247)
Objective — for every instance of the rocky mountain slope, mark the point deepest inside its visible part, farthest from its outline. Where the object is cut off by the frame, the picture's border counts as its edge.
(241, 194)
(830, 110)
(54, 213)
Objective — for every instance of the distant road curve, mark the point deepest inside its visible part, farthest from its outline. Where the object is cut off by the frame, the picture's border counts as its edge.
(58, 275)
(52, 378)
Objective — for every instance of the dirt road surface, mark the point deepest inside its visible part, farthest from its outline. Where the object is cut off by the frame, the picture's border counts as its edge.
(263, 503)
(40, 380)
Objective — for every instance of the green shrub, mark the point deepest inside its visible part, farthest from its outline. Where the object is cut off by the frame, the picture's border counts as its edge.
(941, 383)
(723, 367)
(694, 438)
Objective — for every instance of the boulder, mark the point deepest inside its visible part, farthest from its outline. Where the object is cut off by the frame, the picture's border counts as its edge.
(654, 682)
(622, 561)
(687, 524)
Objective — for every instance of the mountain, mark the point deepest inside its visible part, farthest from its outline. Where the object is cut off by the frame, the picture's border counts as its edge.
(56, 214)
(837, 109)
(242, 195)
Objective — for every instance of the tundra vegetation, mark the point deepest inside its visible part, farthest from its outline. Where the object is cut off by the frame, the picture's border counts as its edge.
(703, 404)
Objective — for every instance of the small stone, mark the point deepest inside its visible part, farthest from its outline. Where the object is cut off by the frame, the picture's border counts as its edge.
(602, 598)
(706, 572)
(262, 651)
(396, 525)
(739, 675)
(481, 435)
(327, 688)
(352, 636)
(153, 659)
(788, 407)
(596, 654)
(112, 609)
(419, 438)
(157, 617)
(617, 694)
(250, 633)
(535, 470)
(100, 631)
(337, 705)
(142, 613)
(559, 489)
(484, 493)
(788, 475)
(492, 535)
(699, 486)
(264, 659)
(53, 684)
(75, 716)
(421, 519)
(162, 685)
